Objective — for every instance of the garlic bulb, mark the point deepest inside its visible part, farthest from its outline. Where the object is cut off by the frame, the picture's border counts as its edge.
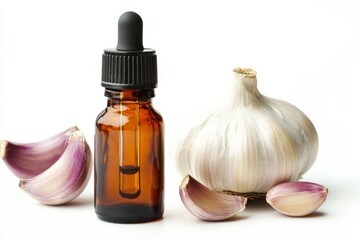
(53, 171)
(251, 144)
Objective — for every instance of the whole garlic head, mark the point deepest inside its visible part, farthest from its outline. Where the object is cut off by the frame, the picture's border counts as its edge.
(251, 144)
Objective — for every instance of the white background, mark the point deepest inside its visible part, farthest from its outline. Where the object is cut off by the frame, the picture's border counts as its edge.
(305, 52)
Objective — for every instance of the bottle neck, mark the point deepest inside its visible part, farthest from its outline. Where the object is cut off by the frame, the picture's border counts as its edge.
(129, 95)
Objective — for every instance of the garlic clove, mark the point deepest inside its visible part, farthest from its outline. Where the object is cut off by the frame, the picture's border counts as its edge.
(30, 159)
(65, 177)
(207, 204)
(297, 198)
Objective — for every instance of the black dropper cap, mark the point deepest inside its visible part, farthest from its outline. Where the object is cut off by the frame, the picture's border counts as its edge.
(130, 65)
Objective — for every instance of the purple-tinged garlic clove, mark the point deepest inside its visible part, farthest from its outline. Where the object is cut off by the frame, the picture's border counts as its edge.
(297, 198)
(207, 204)
(26, 160)
(53, 171)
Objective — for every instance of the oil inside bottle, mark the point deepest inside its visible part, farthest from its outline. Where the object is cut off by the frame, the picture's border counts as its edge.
(129, 174)
(129, 163)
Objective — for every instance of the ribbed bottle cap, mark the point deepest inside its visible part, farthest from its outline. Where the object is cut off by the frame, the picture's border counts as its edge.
(129, 65)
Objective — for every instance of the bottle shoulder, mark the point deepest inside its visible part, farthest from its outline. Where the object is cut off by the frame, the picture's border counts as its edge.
(156, 114)
(101, 115)
(123, 114)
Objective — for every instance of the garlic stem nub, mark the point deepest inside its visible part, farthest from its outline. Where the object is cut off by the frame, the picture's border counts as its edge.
(207, 204)
(247, 72)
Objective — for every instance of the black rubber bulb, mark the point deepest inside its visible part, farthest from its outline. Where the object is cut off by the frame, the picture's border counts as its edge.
(130, 31)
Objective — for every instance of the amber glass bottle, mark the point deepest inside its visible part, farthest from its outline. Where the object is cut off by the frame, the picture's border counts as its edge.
(129, 158)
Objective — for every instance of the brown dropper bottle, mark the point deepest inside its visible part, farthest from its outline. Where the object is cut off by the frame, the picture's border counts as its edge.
(129, 157)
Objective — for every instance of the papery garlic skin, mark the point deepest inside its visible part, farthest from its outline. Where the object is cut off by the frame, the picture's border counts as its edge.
(297, 198)
(209, 205)
(53, 171)
(250, 144)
